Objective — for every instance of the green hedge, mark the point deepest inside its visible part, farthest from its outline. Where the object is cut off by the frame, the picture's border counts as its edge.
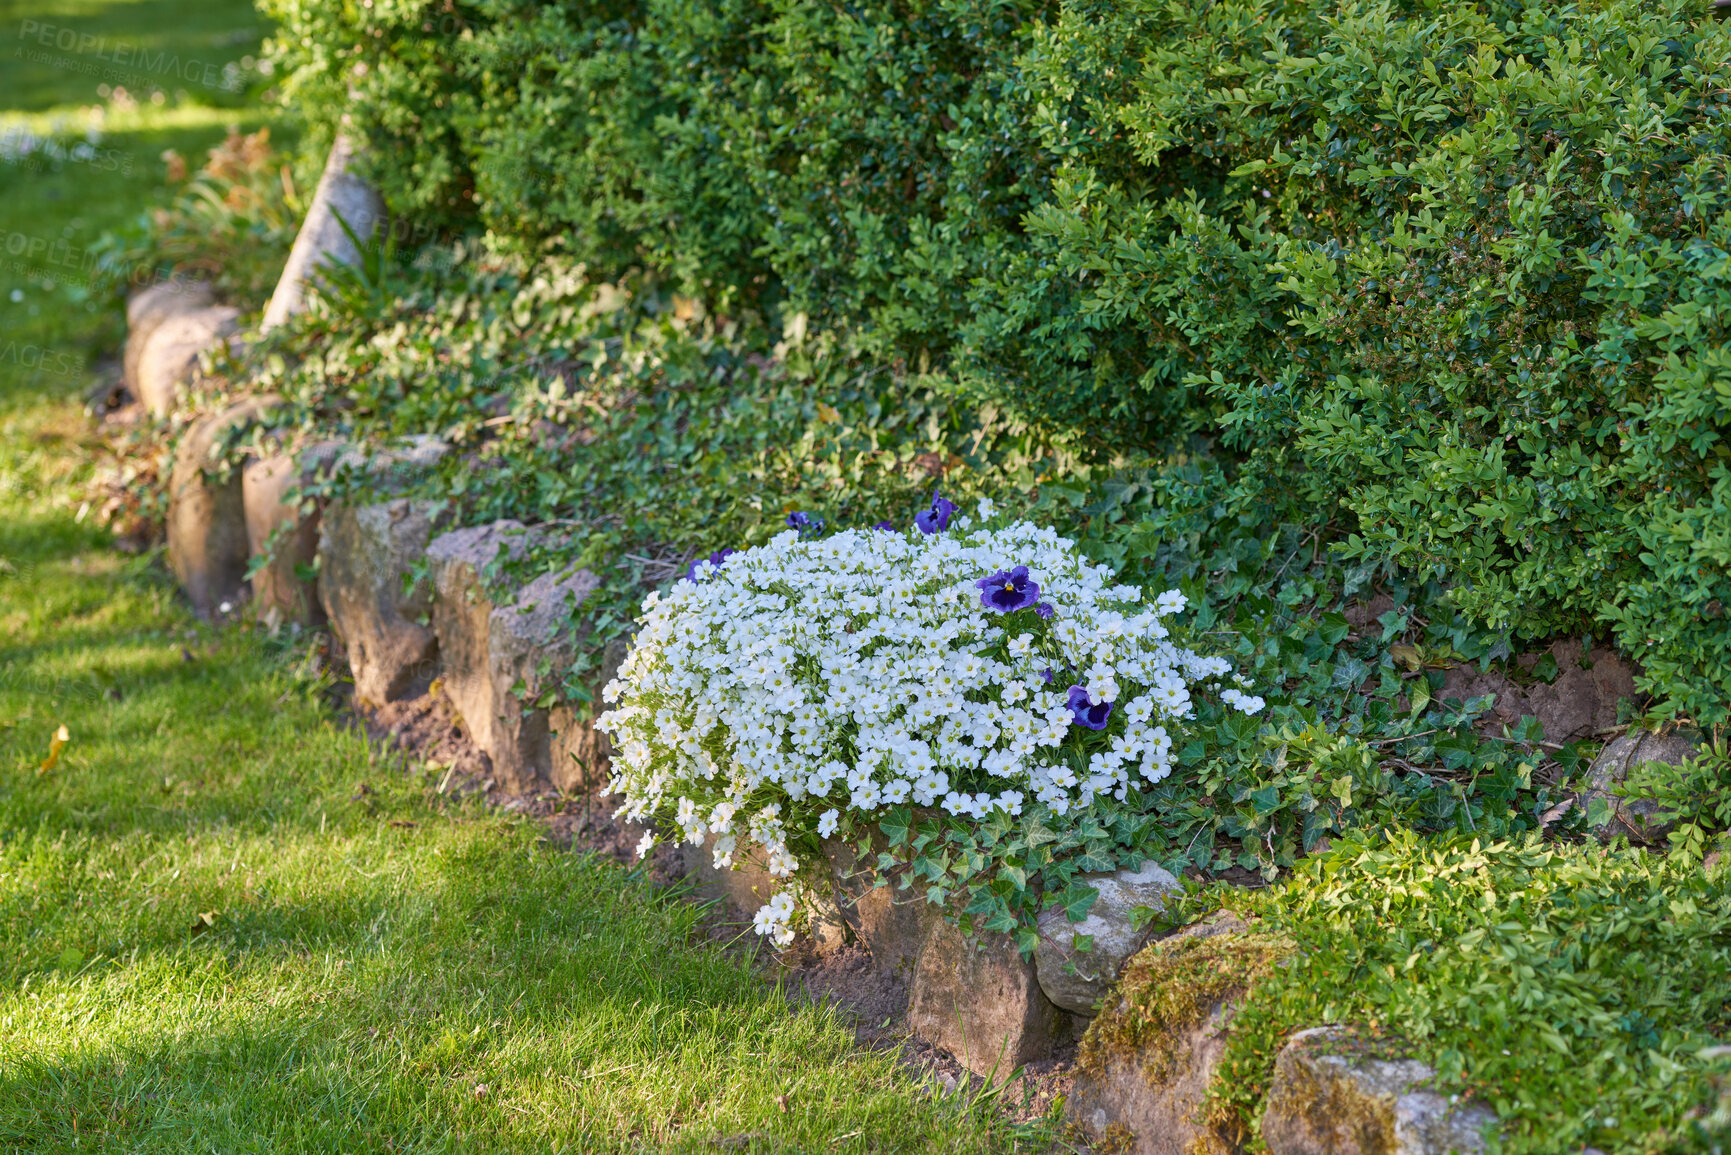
(1445, 282)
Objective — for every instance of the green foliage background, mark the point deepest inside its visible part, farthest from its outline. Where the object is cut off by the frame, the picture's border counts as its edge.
(1446, 280)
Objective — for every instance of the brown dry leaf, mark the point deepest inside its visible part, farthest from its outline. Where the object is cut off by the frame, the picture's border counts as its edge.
(1408, 656)
(828, 414)
(55, 745)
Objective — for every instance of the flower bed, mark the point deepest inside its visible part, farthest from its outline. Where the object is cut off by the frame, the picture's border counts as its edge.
(787, 693)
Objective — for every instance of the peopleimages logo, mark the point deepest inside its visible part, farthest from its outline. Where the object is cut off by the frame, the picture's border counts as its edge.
(96, 51)
(54, 361)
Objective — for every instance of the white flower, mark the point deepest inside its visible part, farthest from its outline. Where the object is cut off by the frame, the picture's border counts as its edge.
(646, 844)
(1248, 703)
(866, 661)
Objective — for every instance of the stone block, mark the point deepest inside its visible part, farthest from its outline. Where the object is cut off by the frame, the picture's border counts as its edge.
(893, 925)
(977, 998)
(284, 533)
(169, 358)
(341, 198)
(1077, 980)
(582, 755)
(148, 308)
(500, 659)
(365, 554)
(1642, 820)
(207, 538)
(1323, 1103)
(1145, 1064)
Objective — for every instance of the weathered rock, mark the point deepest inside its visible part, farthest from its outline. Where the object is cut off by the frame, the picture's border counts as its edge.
(1077, 980)
(582, 755)
(1642, 820)
(284, 533)
(365, 553)
(207, 538)
(169, 358)
(148, 308)
(1144, 1066)
(893, 925)
(322, 240)
(1578, 703)
(391, 468)
(1346, 1104)
(980, 1000)
(490, 651)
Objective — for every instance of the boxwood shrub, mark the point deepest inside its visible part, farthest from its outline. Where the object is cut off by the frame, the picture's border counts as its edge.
(1444, 282)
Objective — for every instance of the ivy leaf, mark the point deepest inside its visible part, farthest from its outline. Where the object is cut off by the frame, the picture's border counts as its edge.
(1037, 833)
(1316, 824)
(1076, 900)
(1335, 627)
(896, 825)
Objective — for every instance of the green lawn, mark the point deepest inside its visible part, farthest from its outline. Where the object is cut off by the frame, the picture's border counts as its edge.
(210, 939)
(52, 208)
(207, 942)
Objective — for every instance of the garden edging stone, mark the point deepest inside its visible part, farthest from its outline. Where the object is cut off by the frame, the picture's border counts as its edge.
(1642, 820)
(365, 553)
(1156, 1111)
(499, 659)
(1077, 980)
(1323, 1103)
(322, 240)
(283, 535)
(208, 546)
(148, 308)
(980, 1000)
(169, 357)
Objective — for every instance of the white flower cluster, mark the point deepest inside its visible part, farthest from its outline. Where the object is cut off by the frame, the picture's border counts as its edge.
(800, 679)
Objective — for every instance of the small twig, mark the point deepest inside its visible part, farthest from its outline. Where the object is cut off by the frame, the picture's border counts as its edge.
(1402, 738)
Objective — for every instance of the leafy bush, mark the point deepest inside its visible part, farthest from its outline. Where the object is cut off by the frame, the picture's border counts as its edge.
(1445, 281)
(1575, 991)
(651, 432)
(1695, 797)
(231, 222)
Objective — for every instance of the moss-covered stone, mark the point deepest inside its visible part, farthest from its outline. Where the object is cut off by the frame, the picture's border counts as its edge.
(1147, 1060)
(1331, 1096)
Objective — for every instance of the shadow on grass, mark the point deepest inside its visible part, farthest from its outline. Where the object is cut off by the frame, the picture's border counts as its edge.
(561, 985)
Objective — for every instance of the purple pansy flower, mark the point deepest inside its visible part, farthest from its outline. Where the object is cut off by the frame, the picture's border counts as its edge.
(938, 516)
(886, 526)
(1045, 610)
(715, 559)
(1008, 590)
(807, 525)
(1087, 712)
